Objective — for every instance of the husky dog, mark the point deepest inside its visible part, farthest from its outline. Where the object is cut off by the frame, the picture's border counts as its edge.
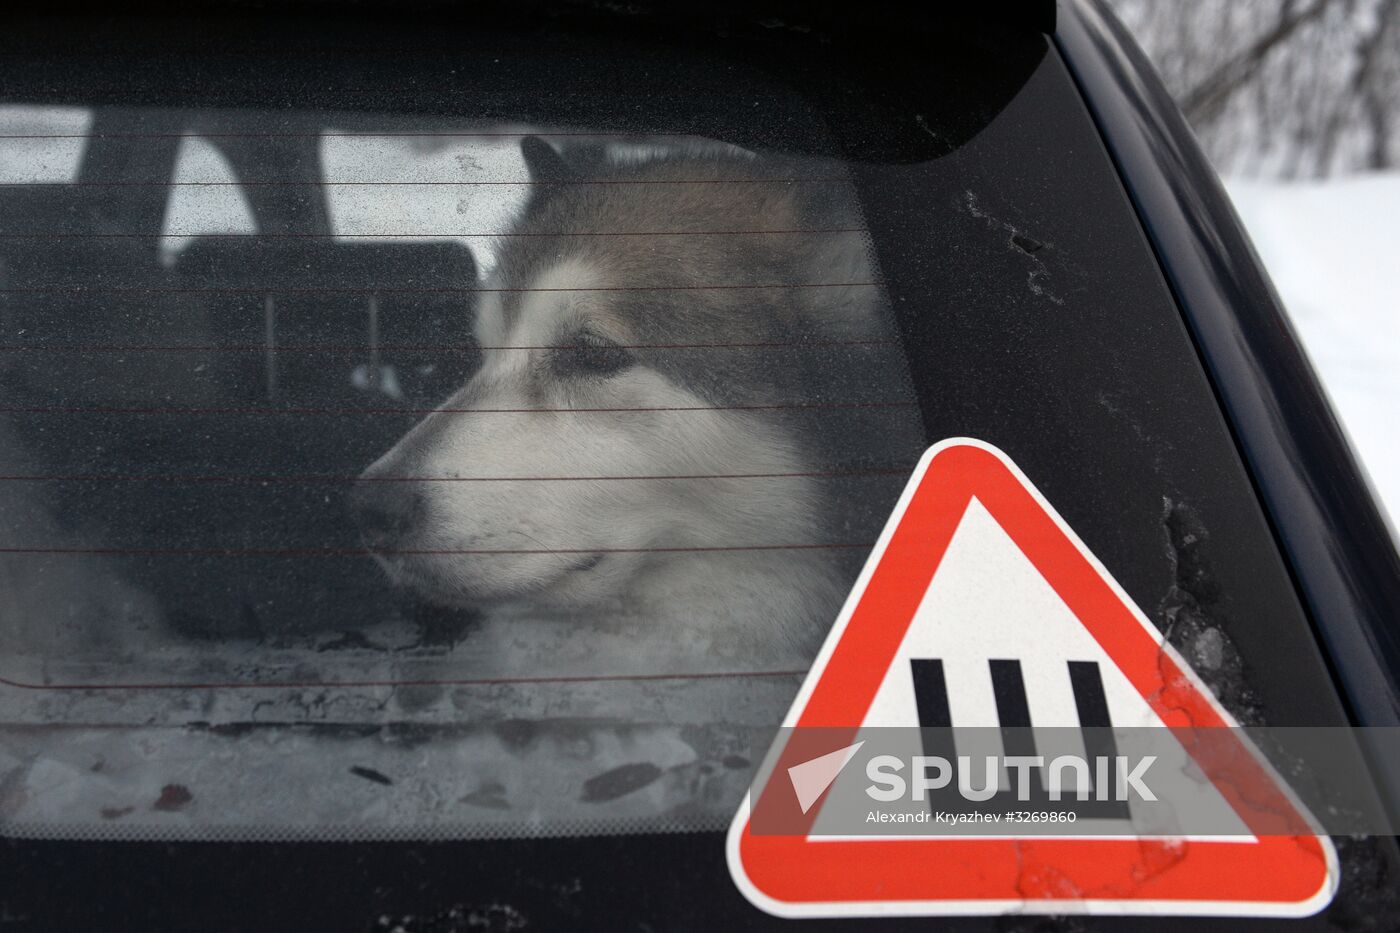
(640, 467)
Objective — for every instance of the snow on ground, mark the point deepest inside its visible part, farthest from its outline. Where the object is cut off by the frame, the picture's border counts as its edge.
(1333, 249)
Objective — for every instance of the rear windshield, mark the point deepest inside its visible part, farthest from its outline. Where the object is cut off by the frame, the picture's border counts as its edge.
(454, 476)
(484, 446)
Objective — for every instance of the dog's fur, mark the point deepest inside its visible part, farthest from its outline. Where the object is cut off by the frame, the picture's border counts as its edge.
(590, 371)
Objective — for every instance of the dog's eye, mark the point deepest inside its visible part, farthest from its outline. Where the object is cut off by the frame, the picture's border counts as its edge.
(592, 355)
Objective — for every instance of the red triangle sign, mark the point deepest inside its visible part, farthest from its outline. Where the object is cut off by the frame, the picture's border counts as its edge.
(974, 568)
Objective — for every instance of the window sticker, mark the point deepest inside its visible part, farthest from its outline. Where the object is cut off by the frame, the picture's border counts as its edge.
(981, 620)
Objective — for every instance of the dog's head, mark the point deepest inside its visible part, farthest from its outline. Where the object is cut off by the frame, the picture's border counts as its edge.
(634, 337)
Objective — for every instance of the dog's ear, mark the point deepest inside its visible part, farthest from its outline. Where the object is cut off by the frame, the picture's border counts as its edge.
(544, 162)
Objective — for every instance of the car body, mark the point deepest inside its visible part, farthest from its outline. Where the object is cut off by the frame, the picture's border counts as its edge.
(1067, 279)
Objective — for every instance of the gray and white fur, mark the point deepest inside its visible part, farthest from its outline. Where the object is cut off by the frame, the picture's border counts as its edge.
(679, 344)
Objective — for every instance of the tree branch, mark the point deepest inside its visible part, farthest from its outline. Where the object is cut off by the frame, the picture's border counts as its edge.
(1206, 99)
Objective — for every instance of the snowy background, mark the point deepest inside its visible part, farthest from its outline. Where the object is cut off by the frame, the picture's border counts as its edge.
(1298, 104)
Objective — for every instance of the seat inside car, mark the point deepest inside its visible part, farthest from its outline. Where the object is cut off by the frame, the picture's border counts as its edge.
(214, 405)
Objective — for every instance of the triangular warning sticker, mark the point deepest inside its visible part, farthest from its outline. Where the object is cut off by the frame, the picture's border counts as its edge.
(979, 607)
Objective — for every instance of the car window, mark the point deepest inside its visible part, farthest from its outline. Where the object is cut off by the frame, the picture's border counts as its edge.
(581, 436)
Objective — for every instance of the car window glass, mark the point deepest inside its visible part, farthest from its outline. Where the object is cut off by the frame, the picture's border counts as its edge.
(403, 477)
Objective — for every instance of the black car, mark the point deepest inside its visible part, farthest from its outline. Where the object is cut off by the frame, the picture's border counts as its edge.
(436, 440)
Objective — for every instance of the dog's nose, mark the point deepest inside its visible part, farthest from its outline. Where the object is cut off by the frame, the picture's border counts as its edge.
(384, 512)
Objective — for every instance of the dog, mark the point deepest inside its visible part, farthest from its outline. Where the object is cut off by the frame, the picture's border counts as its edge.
(680, 350)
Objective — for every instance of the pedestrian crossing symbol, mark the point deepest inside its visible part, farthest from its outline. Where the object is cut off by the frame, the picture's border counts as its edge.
(979, 612)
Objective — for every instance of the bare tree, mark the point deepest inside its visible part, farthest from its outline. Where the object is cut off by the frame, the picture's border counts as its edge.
(1286, 88)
